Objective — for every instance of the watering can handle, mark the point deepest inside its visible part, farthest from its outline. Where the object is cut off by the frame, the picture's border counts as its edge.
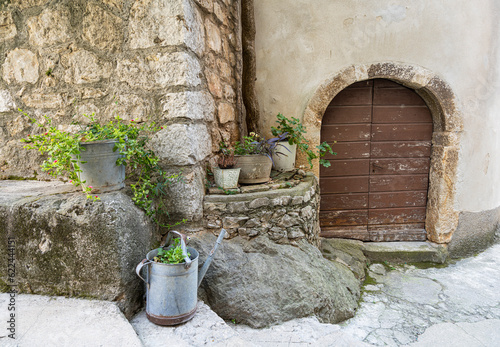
(139, 268)
(183, 247)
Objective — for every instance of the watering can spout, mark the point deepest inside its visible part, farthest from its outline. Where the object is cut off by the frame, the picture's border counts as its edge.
(210, 257)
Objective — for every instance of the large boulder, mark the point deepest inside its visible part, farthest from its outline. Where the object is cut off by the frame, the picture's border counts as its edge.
(258, 282)
(67, 245)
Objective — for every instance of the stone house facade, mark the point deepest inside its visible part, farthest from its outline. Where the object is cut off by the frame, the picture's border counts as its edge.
(179, 62)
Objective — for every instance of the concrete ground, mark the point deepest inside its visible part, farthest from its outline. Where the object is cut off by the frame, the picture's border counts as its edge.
(458, 305)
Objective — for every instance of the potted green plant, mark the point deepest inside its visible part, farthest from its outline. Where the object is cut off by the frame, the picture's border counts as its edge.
(293, 132)
(226, 176)
(254, 157)
(73, 155)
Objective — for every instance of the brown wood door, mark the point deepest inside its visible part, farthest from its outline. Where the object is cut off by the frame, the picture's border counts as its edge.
(376, 187)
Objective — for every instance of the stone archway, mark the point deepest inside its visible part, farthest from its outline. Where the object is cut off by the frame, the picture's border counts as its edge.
(441, 218)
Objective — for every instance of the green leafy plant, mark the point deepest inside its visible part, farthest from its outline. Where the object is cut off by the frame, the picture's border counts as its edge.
(171, 255)
(63, 149)
(256, 144)
(293, 131)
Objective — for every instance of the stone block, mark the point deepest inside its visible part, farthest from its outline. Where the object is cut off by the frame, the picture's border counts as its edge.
(287, 221)
(276, 233)
(259, 202)
(251, 223)
(23, 4)
(21, 65)
(254, 188)
(234, 222)
(214, 41)
(295, 233)
(185, 197)
(68, 245)
(114, 4)
(183, 144)
(237, 207)
(130, 107)
(8, 28)
(197, 105)
(307, 212)
(51, 27)
(160, 70)
(166, 23)
(101, 28)
(226, 113)
(297, 200)
(43, 100)
(85, 67)
(214, 84)
(6, 102)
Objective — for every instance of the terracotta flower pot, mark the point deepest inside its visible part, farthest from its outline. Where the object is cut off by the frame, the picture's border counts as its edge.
(255, 168)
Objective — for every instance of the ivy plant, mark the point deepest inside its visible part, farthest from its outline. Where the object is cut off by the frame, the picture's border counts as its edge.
(63, 149)
(293, 130)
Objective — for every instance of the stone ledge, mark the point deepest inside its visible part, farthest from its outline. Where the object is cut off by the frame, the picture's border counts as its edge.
(298, 190)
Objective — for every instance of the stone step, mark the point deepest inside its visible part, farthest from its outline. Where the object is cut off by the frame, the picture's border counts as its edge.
(405, 252)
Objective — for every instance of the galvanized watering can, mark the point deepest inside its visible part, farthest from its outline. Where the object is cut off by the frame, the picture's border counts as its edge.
(172, 289)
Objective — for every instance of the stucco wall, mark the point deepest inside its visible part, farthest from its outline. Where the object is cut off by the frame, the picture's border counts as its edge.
(300, 44)
(176, 62)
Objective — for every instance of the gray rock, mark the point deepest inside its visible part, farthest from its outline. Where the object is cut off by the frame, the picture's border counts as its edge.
(68, 245)
(347, 252)
(260, 283)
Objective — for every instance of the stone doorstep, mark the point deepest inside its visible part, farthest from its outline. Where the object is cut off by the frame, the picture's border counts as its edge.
(405, 252)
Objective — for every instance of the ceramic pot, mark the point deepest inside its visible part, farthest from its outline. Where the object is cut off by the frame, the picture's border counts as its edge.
(286, 160)
(255, 168)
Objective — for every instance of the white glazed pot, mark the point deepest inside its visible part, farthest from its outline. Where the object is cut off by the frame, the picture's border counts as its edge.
(286, 160)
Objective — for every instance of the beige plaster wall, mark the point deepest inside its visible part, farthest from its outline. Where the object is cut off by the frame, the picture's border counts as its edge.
(300, 44)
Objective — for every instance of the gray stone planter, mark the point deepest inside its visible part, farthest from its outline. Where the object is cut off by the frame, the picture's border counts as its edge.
(227, 178)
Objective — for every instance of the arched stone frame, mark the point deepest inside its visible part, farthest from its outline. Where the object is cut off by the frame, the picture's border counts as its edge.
(441, 218)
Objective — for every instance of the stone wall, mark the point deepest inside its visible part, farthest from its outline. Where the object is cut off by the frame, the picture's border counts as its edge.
(283, 215)
(175, 62)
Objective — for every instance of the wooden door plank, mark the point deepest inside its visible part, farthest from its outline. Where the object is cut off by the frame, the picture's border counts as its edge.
(347, 115)
(350, 150)
(353, 97)
(398, 199)
(356, 232)
(399, 166)
(396, 96)
(344, 201)
(343, 217)
(348, 167)
(352, 184)
(384, 183)
(347, 133)
(401, 114)
(401, 149)
(402, 132)
(397, 215)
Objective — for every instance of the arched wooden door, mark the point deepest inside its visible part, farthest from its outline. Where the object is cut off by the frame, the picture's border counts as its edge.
(376, 187)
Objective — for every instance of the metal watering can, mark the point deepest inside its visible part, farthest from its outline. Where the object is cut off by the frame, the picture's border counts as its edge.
(172, 289)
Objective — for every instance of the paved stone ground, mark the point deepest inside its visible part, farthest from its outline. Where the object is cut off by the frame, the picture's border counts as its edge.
(458, 306)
